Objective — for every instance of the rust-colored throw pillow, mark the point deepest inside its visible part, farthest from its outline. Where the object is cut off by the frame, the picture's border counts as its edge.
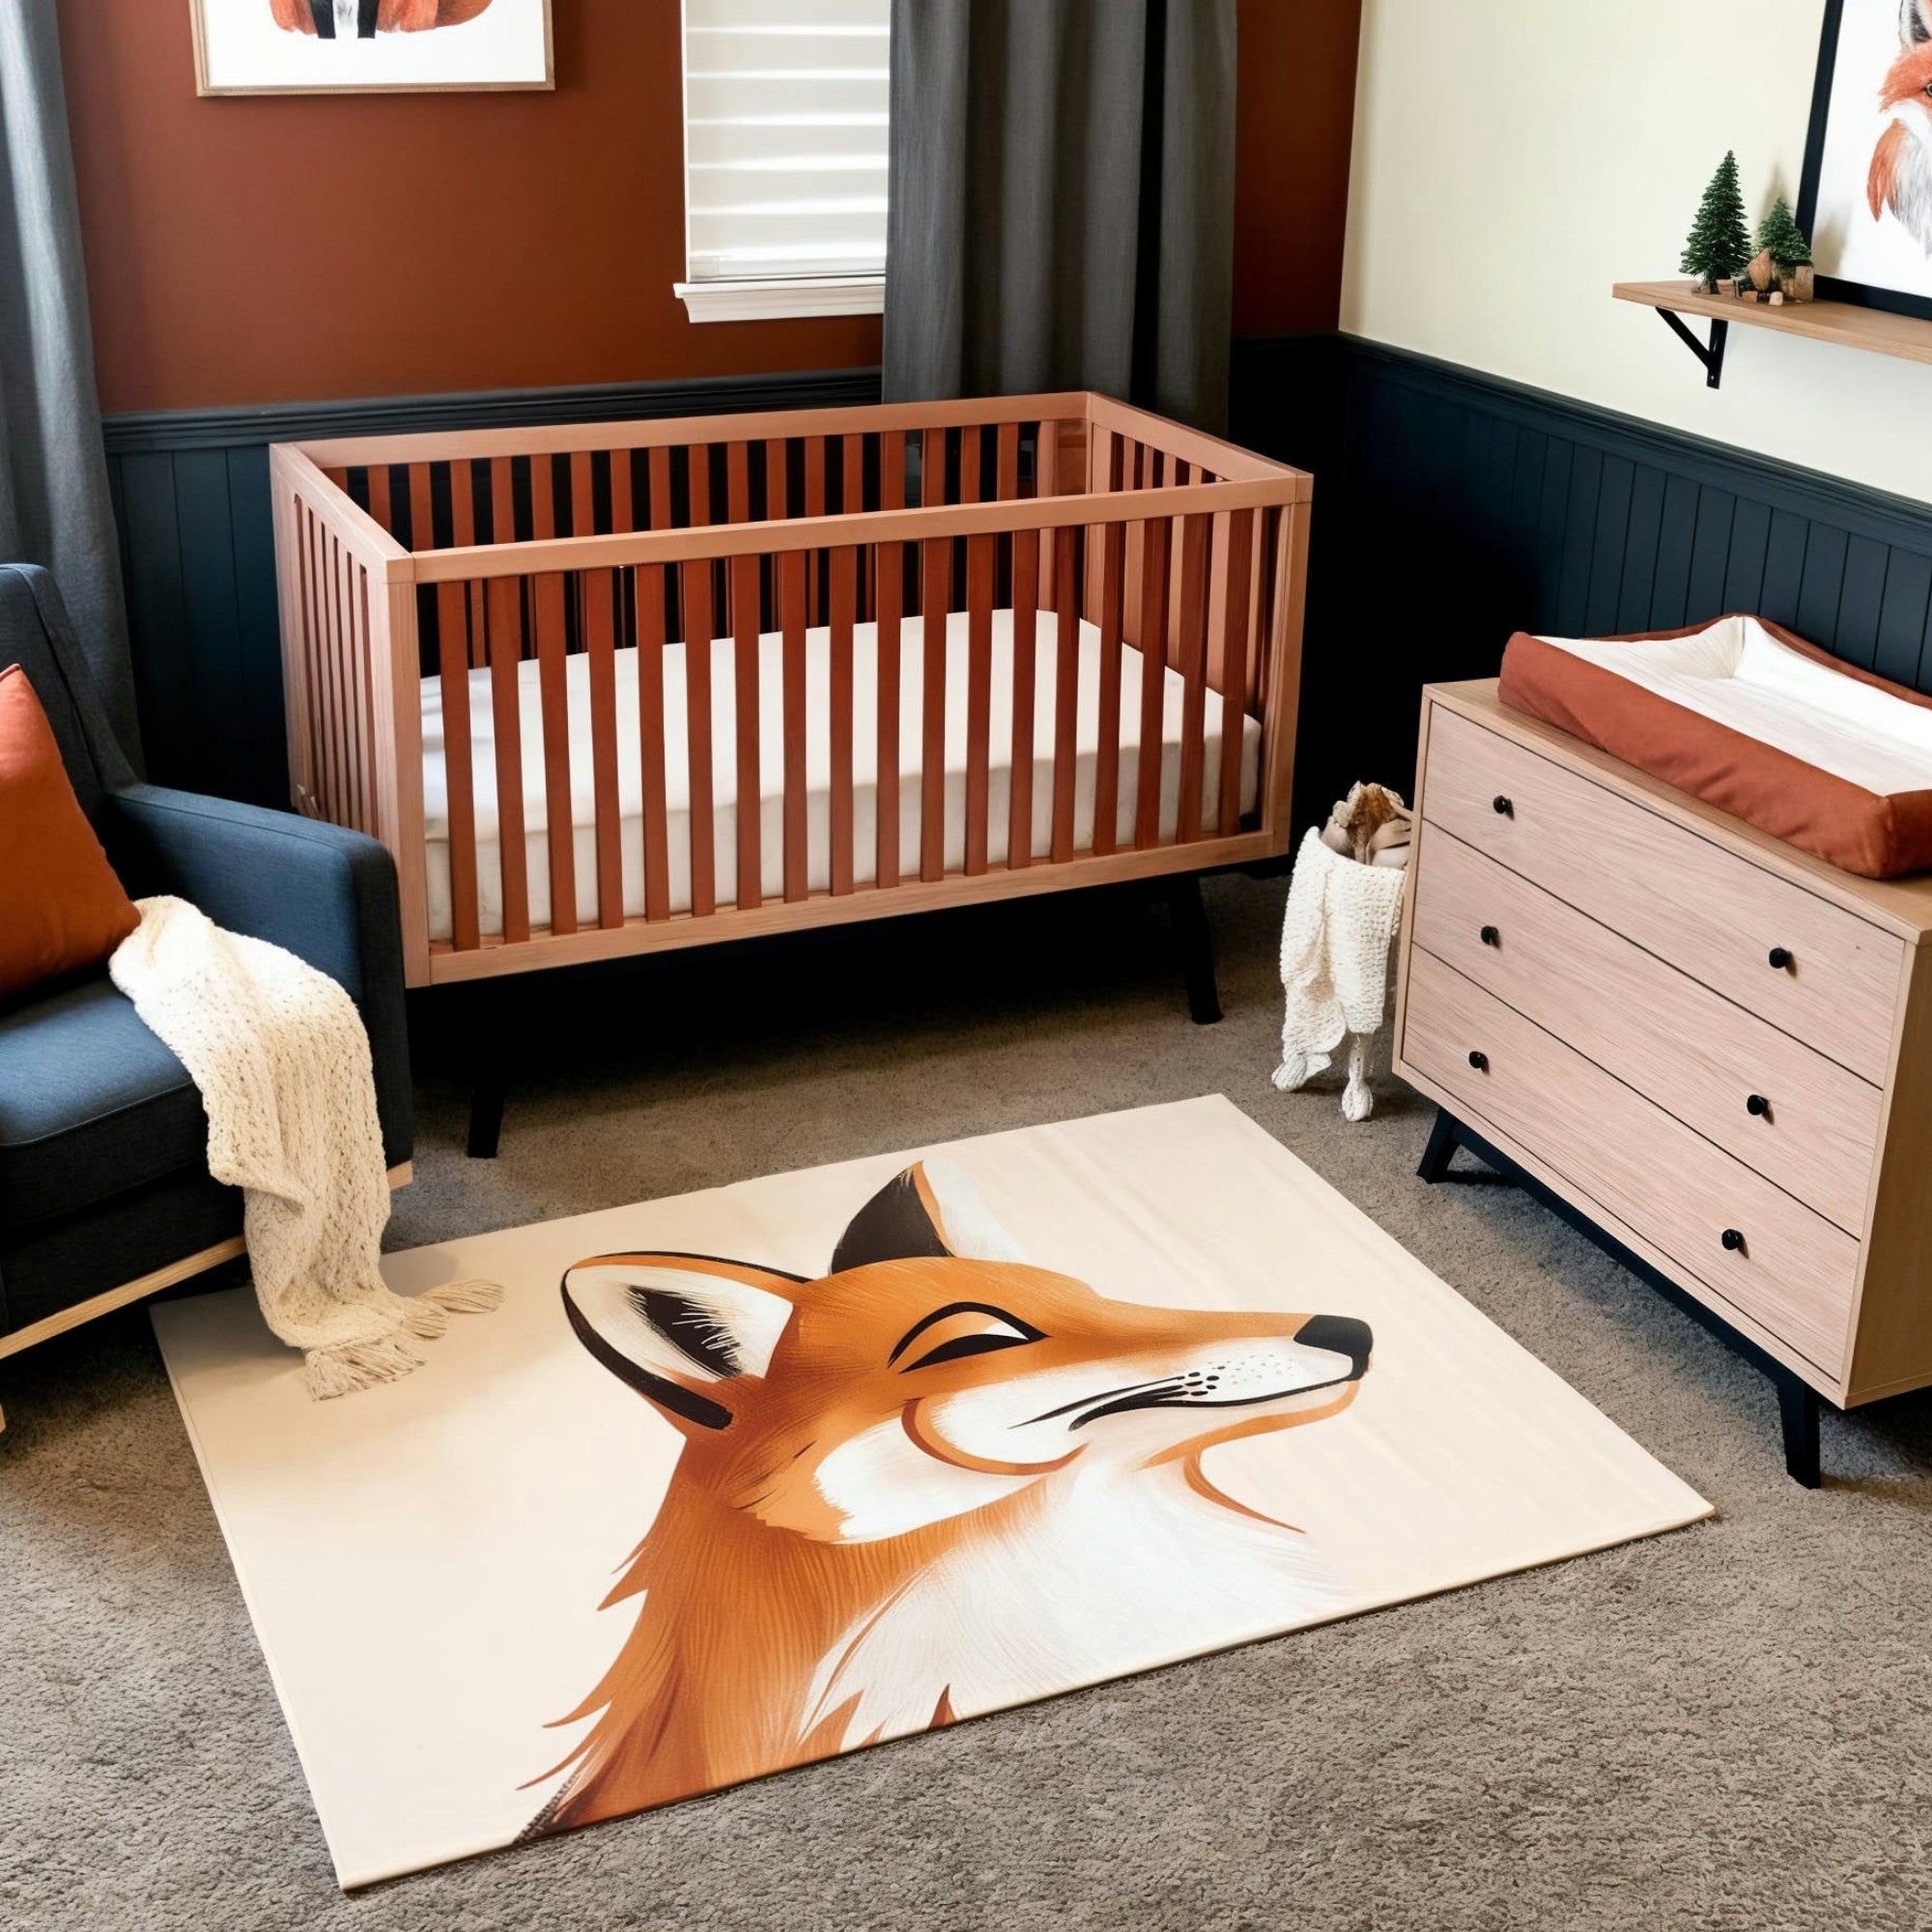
(1748, 718)
(61, 906)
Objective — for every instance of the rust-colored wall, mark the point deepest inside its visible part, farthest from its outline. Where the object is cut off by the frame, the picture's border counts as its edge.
(301, 248)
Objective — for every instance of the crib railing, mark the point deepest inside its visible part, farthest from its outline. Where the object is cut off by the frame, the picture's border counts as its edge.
(444, 555)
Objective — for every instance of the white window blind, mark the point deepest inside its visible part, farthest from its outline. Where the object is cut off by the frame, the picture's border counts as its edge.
(786, 119)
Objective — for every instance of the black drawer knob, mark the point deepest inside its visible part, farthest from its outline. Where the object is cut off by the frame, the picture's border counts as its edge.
(1480, 1062)
(1758, 1107)
(1780, 958)
(1505, 808)
(1733, 1241)
(1491, 936)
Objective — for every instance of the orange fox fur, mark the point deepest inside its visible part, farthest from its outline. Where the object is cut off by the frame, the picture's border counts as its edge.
(405, 16)
(1901, 170)
(889, 1434)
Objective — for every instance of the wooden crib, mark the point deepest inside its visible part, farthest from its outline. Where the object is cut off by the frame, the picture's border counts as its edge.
(614, 688)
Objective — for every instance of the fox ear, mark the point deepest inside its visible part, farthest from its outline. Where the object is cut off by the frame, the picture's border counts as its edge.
(1915, 22)
(679, 1328)
(930, 1209)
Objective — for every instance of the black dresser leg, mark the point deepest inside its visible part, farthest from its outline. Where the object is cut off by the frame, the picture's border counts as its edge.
(1441, 1149)
(1196, 947)
(1797, 1412)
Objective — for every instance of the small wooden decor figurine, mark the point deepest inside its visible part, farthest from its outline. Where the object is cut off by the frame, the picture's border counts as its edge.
(1343, 910)
(1719, 248)
(1787, 254)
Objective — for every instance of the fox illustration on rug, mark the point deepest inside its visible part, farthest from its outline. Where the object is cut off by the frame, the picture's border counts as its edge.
(1901, 169)
(934, 1481)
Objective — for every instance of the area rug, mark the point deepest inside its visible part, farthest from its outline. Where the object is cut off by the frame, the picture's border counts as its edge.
(756, 1476)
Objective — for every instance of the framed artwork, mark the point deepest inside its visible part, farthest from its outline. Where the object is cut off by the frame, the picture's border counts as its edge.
(1866, 202)
(369, 47)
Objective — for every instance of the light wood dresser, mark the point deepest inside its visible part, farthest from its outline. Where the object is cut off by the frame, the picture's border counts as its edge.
(1711, 1052)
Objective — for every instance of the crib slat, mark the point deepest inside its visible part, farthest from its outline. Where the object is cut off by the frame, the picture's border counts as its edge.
(1026, 661)
(505, 644)
(463, 534)
(453, 653)
(892, 470)
(344, 658)
(981, 560)
(600, 590)
(1065, 689)
(1235, 667)
(548, 595)
(356, 594)
(543, 498)
(422, 515)
(750, 890)
(891, 650)
(503, 501)
(1159, 539)
(1006, 463)
(698, 629)
(777, 504)
(329, 594)
(1196, 541)
(583, 495)
(315, 609)
(931, 469)
(935, 595)
(845, 585)
(737, 483)
(969, 464)
(792, 611)
(651, 590)
(623, 516)
(814, 506)
(660, 482)
(379, 495)
(1112, 545)
(700, 457)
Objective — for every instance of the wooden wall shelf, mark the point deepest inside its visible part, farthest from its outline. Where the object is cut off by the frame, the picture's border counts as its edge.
(1876, 330)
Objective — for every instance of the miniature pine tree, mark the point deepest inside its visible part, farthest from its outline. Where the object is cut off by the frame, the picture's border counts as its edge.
(1719, 246)
(1784, 237)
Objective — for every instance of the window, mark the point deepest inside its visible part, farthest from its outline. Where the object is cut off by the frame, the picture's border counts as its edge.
(784, 157)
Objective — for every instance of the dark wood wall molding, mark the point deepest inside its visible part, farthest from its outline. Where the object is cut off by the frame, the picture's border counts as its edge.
(1454, 507)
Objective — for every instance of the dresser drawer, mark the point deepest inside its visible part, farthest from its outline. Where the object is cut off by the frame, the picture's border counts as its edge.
(1799, 1118)
(1794, 1272)
(1709, 912)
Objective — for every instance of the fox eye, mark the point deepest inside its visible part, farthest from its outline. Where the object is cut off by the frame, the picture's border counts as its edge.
(962, 1328)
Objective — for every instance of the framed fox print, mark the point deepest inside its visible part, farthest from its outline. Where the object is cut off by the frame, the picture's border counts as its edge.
(370, 46)
(1866, 202)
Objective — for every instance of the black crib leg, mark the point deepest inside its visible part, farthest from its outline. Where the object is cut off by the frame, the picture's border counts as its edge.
(1196, 947)
(1441, 1148)
(490, 1074)
(1797, 1412)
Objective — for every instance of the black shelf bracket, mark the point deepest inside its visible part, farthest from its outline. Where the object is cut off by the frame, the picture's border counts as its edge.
(1713, 358)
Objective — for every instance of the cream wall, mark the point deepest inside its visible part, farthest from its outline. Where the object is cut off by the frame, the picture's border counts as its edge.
(1515, 158)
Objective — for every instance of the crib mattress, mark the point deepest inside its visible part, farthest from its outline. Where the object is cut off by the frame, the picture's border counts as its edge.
(1753, 720)
(724, 840)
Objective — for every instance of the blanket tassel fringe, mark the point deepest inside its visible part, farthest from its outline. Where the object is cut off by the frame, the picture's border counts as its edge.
(359, 1365)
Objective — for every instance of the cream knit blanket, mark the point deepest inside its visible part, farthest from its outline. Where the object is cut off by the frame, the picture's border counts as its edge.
(281, 1059)
(1335, 938)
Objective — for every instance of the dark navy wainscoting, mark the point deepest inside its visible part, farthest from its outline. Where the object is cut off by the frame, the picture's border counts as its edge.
(198, 551)
(1452, 508)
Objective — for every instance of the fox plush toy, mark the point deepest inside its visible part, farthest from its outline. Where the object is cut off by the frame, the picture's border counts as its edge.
(936, 1481)
(1901, 169)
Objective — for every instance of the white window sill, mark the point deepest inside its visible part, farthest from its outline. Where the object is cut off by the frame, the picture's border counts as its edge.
(771, 300)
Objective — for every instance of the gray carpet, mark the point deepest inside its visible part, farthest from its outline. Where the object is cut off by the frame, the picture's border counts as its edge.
(1729, 1728)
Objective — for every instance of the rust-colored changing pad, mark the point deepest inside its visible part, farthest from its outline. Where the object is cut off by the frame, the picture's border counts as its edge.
(1751, 719)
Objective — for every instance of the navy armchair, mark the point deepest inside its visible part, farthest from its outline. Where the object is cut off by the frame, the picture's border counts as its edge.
(105, 1189)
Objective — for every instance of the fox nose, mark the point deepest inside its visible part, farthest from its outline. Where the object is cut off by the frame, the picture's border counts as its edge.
(1340, 1335)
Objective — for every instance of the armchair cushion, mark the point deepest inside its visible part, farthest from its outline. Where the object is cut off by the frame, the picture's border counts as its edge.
(91, 1105)
(61, 906)
(325, 894)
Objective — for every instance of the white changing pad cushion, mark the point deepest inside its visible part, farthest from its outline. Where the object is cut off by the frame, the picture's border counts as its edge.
(1736, 673)
(818, 768)
(1754, 720)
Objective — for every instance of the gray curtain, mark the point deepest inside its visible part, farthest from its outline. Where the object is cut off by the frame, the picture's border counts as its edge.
(54, 504)
(1061, 200)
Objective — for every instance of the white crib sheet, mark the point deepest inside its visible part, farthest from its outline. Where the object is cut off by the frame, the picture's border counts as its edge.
(818, 770)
